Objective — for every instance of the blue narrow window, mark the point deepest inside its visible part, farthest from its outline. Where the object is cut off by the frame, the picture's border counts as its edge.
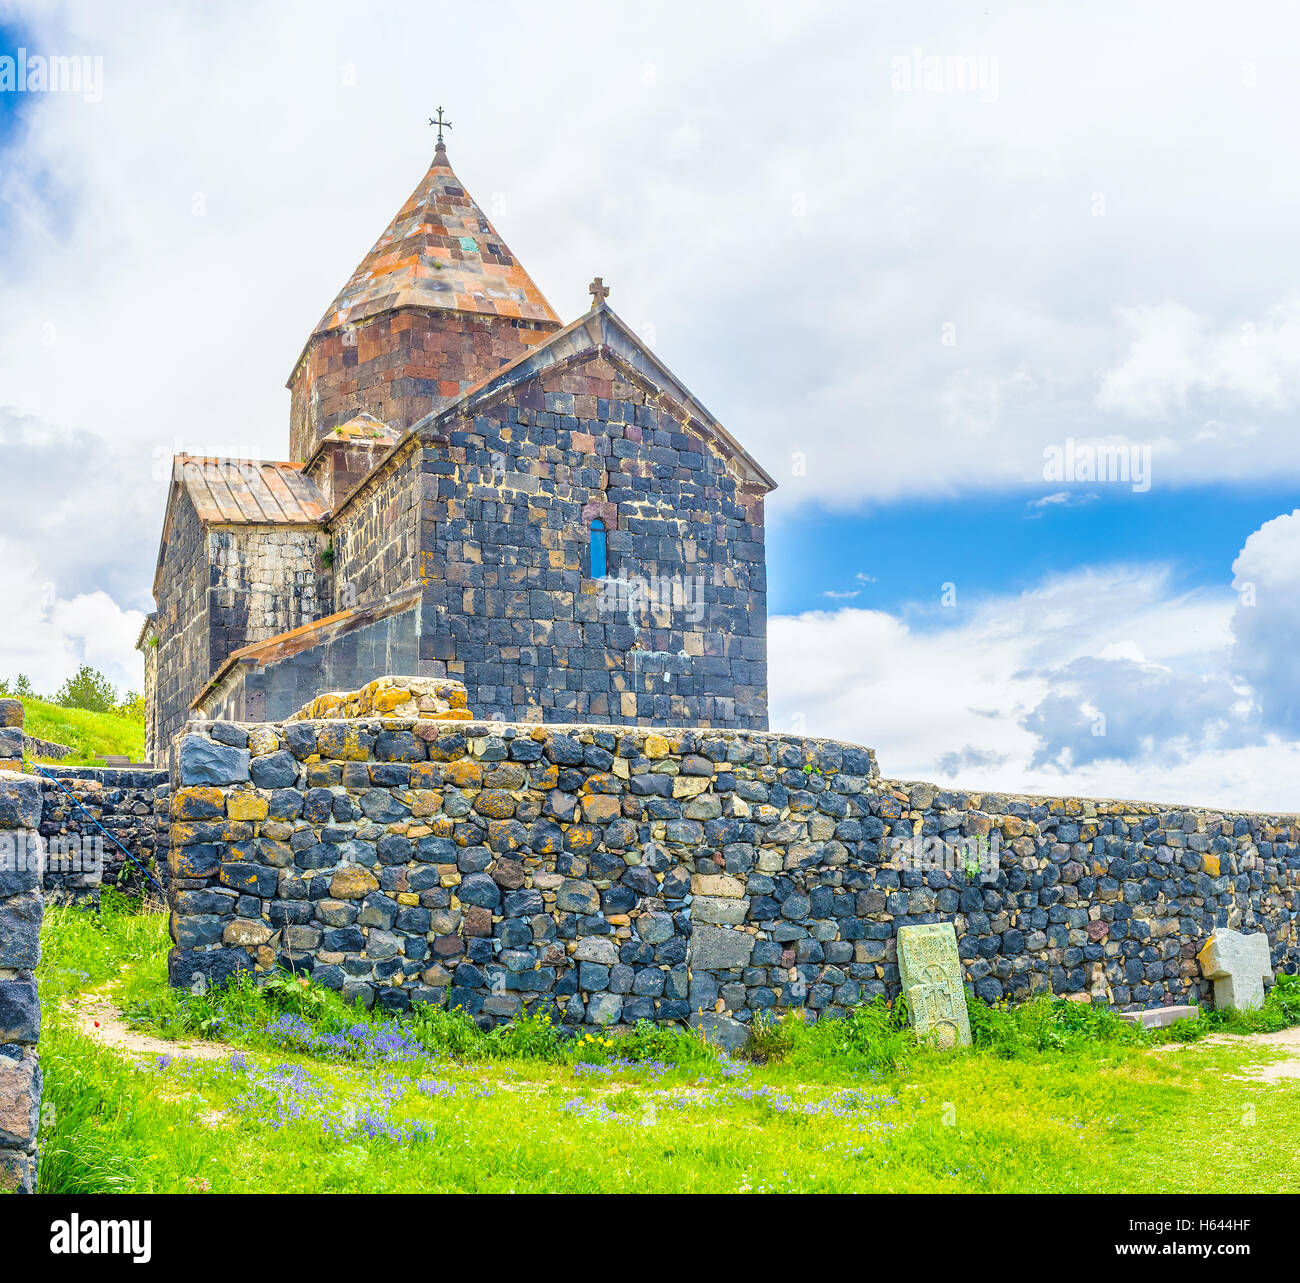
(599, 550)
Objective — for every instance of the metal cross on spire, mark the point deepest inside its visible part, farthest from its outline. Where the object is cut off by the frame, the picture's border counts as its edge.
(442, 124)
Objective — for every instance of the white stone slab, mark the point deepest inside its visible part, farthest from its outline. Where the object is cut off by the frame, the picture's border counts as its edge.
(1238, 964)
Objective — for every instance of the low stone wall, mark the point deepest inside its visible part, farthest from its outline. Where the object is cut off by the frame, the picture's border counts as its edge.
(612, 874)
(21, 912)
(34, 747)
(131, 804)
(11, 735)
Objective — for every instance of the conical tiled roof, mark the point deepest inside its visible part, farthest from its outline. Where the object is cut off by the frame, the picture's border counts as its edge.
(439, 252)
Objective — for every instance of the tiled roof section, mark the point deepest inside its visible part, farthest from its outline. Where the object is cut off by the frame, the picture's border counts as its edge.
(439, 252)
(249, 491)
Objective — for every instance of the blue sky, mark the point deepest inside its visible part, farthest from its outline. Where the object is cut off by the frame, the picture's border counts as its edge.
(899, 298)
(1000, 544)
(11, 105)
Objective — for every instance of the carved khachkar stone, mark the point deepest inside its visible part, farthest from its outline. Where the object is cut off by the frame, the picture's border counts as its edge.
(1239, 965)
(930, 975)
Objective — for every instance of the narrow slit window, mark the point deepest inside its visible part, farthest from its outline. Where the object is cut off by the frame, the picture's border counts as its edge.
(599, 550)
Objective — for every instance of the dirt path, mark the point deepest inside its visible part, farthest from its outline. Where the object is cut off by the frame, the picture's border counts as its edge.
(97, 1018)
(1287, 1066)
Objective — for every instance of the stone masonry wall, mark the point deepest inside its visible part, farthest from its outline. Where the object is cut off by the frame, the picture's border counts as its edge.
(131, 804)
(376, 534)
(398, 367)
(511, 604)
(183, 654)
(610, 874)
(264, 580)
(21, 912)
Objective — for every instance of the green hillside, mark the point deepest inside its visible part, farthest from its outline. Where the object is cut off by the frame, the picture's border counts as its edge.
(88, 734)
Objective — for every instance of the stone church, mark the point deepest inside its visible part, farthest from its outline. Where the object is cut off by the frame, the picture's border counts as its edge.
(473, 490)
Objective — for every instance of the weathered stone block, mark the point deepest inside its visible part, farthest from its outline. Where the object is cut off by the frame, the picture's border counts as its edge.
(577, 896)
(720, 949)
(20, 931)
(721, 1030)
(202, 761)
(20, 1012)
(20, 1098)
(720, 912)
(20, 802)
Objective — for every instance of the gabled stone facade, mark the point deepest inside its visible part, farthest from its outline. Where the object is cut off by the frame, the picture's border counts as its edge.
(475, 492)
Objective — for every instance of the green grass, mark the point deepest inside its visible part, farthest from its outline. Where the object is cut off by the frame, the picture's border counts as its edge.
(1054, 1097)
(88, 734)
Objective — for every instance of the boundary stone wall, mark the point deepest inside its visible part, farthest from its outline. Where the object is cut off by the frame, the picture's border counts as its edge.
(21, 912)
(611, 874)
(131, 803)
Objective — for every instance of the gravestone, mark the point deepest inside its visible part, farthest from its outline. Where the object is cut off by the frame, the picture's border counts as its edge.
(930, 972)
(1238, 964)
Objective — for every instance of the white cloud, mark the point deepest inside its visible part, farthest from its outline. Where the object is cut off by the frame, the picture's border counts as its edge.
(1005, 697)
(1176, 357)
(48, 637)
(1266, 621)
(910, 288)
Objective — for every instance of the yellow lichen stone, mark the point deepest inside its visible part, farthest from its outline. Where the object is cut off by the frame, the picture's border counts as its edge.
(407, 897)
(386, 700)
(246, 806)
(197, 802)
(352, 884)
(599, 807)
(464, 773)
(1210, 863)
(261, 740)
(656, 746)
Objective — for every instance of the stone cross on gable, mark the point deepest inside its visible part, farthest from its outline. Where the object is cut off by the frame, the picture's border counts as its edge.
(1238, 964)
(599, 291)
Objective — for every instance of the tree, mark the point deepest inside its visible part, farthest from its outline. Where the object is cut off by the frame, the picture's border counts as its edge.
(87, 688)
(132, 706)
(19, 688)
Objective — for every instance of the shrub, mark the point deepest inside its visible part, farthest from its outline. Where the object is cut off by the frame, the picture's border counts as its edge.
(530, 1037)
(1046, 1023)
(873, 1036)
(667, 1043)
(451, 1033)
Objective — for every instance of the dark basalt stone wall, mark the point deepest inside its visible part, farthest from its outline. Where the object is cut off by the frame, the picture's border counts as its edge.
(611, 874)
(674, 633)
